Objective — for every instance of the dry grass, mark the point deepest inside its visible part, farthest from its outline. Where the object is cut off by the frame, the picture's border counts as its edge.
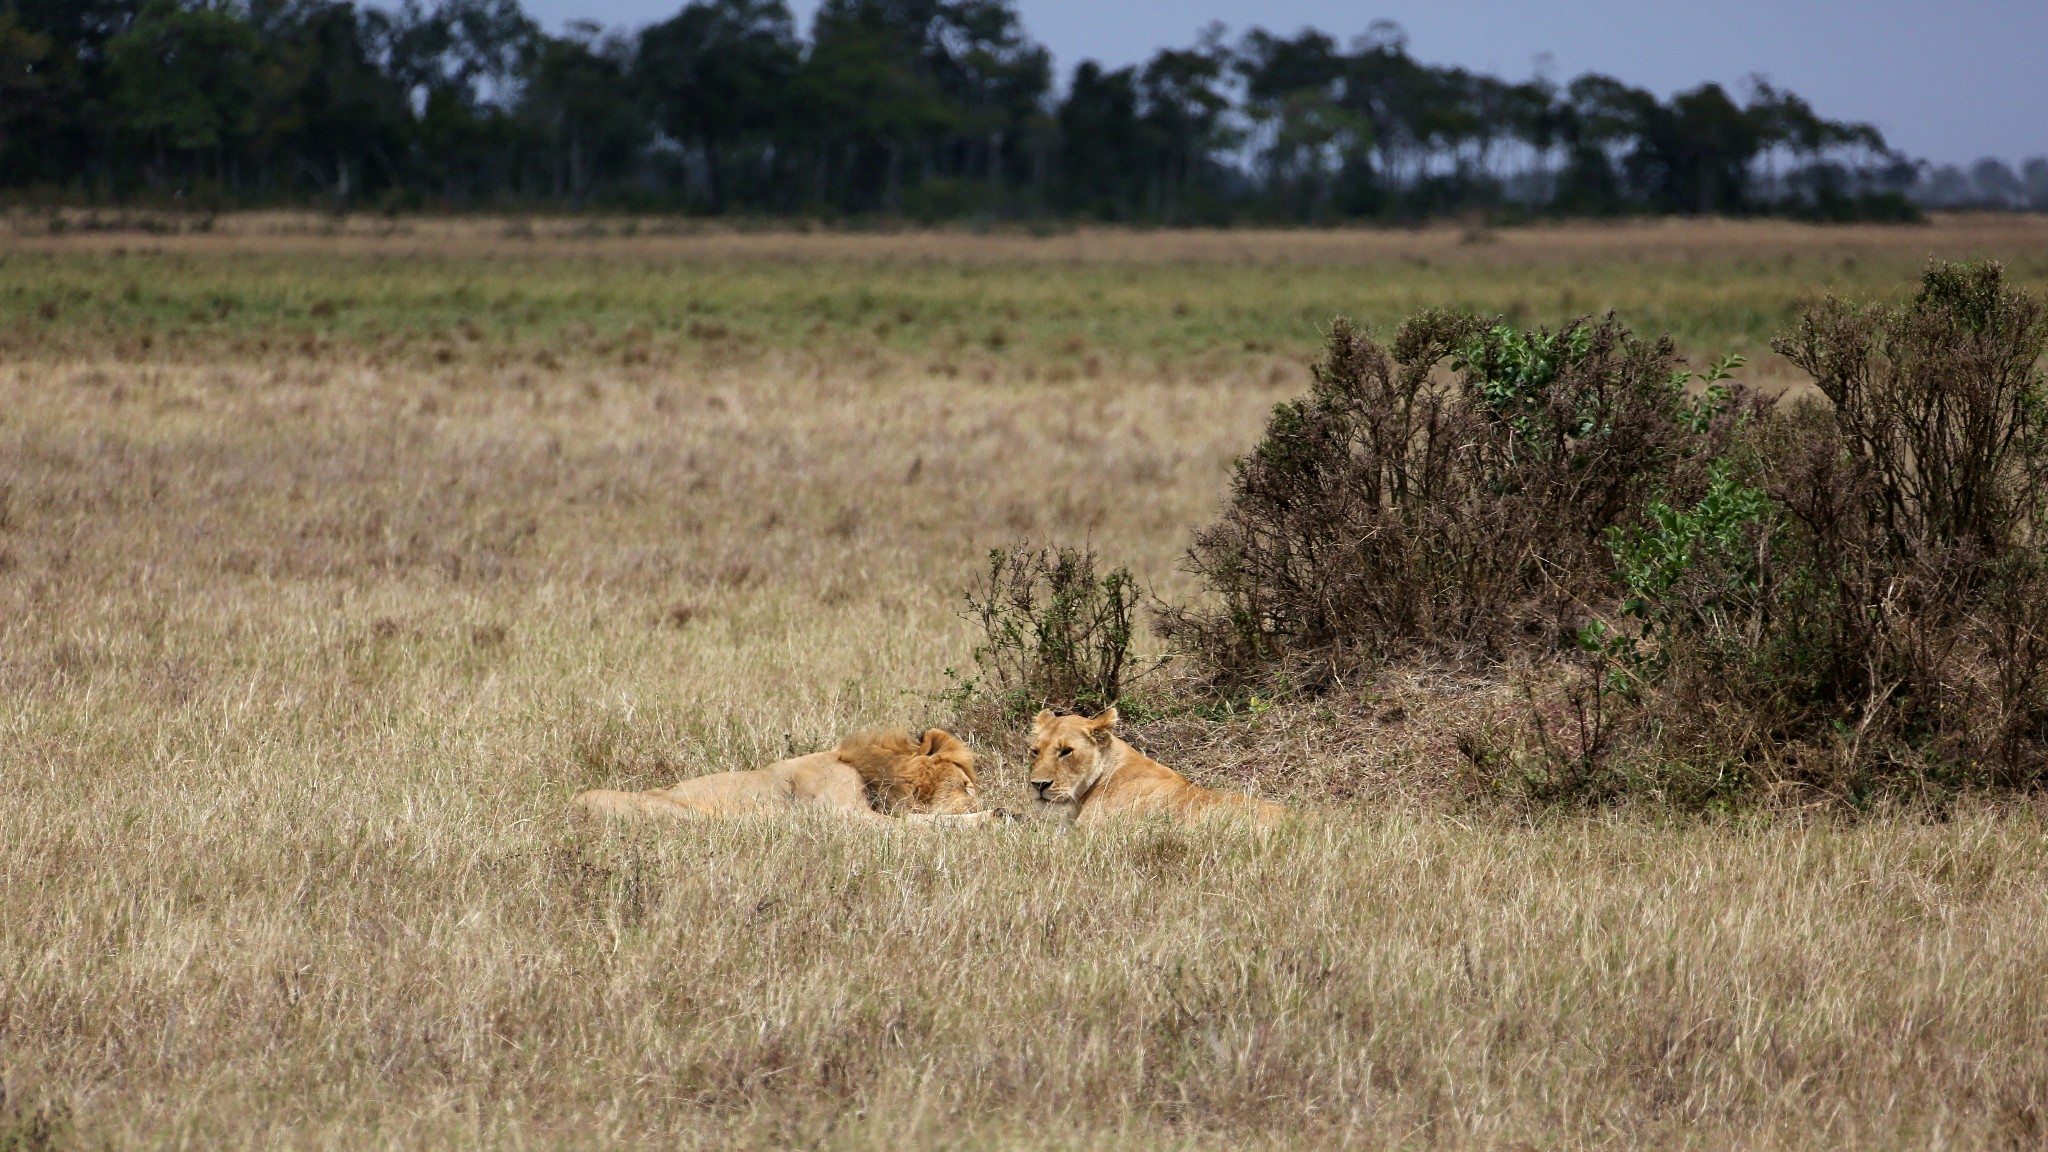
(1657, 240)
(303, 650)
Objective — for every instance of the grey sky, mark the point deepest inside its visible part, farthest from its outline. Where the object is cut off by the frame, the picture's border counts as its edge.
(1948, 81)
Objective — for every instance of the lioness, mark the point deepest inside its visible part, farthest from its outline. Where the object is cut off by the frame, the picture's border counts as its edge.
(929, 778)
(1081, 761)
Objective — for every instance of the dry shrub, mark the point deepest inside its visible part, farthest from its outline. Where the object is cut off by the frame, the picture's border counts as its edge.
(1866, 610)
(1054, 634)
(1851, 599)
(1399, 509)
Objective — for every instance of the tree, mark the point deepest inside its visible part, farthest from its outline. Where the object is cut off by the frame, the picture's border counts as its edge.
(930, 108)
(578, 99)
(717, 76)
(945, 86)
(867, 96)
(1997, 184)
(24, 80)
(330, 115)
(1600, 116)
(184, 78)
(1533, 117)
(1103, 145)
(994, 75)
(460, 65)
(1293, 95)
(1184, 101)
(1695, 154)
(55, 116)
(2035, 175)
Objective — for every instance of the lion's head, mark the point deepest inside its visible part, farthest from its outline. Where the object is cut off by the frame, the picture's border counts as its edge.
(1068, 754)
(931, 773)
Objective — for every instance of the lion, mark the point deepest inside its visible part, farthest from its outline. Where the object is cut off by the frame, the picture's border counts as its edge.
(926, 780)
(1081, 761)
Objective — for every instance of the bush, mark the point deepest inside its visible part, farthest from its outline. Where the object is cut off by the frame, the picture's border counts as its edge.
(1400, 509)
(1850, 597)
(1054, 634)
(1881, 620)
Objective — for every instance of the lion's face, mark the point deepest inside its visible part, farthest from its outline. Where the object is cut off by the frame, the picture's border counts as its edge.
(940, 778)
(1067, 754)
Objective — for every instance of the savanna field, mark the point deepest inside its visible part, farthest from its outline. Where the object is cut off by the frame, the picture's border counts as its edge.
(336, 556)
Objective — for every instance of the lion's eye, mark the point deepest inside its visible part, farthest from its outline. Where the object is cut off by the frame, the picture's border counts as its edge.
(1064, 751)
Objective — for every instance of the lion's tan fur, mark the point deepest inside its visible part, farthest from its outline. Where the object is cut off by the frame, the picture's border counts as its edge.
(925, 778)
(912, 773)
(1081, 761)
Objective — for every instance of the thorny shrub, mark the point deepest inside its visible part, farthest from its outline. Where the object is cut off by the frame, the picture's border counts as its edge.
(1866, 611)
(1448, 497)
(1849, 599)
(1054, 634)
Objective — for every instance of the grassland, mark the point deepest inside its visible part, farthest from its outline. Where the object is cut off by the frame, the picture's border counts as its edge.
(1187, 304)
(334, 558)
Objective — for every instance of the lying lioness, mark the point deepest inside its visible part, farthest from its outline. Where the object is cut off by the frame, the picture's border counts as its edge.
(1081, 761)
(928, 779)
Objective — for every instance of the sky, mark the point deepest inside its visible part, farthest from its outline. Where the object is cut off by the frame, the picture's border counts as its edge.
(1948, 82)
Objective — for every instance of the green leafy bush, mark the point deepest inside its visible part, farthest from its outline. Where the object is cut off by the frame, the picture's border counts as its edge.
(1720, 533)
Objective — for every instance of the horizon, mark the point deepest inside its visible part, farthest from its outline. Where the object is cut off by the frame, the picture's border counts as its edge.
(1891, 66)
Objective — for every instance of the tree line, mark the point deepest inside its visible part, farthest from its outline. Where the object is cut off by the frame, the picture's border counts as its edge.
(926, 109)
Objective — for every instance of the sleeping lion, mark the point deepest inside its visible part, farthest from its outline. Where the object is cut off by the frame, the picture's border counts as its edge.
(1081, 761)
(927, 779)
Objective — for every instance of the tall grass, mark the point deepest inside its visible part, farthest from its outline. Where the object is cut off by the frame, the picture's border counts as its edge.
(304, 649)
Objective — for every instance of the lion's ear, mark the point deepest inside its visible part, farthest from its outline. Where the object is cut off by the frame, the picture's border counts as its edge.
(1103, 725)
(1043, 719)
(941, 743)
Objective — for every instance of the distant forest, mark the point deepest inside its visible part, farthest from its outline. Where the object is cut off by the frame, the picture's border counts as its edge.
(920, 109)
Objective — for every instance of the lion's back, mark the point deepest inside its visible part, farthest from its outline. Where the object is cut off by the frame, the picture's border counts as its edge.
(1155, 788)
(817, 777)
